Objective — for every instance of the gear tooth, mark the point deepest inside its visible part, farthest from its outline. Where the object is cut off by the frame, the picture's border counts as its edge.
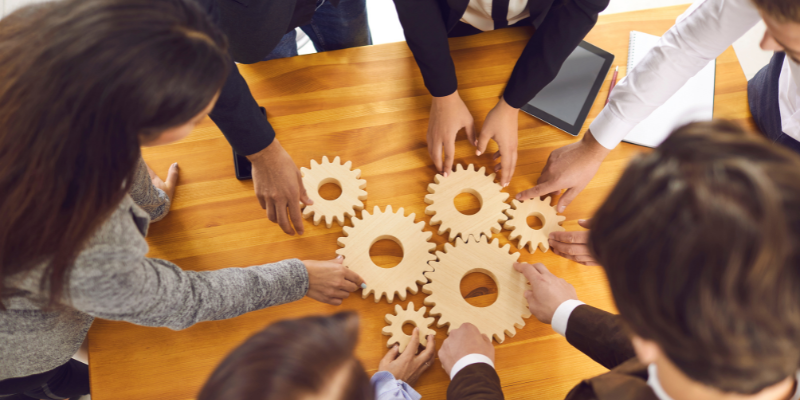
(482, 171)
(505, 196)
(437, 179)
(376, 210)
(337, 160)
(492, 176)
(348, 164)
(362, 195)
(398, 309)
(314, 163)
(515, 203)
(304, 170)
(389, 209)
(428, 199)
(410, 305)
(471, 167)
(459, 167)
(325, 160)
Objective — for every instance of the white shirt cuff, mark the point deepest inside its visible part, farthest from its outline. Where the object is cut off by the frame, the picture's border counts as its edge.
(561, 317)
(608, 129)
(467, 360)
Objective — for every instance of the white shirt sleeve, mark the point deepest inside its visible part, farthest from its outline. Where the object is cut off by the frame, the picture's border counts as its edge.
(469, 359)
(699, 36)
(561, 316)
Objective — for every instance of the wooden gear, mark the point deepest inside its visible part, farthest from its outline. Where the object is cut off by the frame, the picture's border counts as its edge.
(417, 251)
(444, 213)
(351, 199)
(518, 225)
(504, 315)
(400, 318)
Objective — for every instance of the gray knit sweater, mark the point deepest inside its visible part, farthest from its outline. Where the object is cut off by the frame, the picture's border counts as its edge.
(113, 279)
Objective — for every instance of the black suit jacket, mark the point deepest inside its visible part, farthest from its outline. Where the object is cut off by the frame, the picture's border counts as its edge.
(597, 334)
(560, 27)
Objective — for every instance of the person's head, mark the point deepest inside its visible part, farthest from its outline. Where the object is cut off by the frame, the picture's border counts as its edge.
(701, 244)
(84, 83)
(304, 359)
(782, 18)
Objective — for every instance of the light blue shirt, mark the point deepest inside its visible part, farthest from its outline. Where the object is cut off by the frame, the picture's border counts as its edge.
(388, 388)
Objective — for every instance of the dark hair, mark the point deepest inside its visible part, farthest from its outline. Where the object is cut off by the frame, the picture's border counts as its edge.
(82, 81)
(293, 358)
(782, 10)
(700, 241)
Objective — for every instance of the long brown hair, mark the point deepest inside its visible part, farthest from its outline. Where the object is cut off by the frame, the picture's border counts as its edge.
(701, 244)
(80, 82)
(292, 359)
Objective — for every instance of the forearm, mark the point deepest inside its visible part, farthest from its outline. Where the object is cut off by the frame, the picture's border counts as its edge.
(150, 198)
(476, 382)
(426, 36)
(598, 334)
(564, 27)
(388, 388)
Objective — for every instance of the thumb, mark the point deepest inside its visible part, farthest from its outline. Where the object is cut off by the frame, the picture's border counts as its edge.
(483, 141)
(339, 259)
(567, 198)
(172, 175)
(585, 223)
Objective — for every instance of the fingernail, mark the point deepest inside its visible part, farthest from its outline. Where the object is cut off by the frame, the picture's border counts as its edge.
(416, 330)
(581, 220)
(339, 257)
(505, 185)
(176, 164)
(363, 285)
(445, 175)
(551, 235)
(561, 209)
(477, 152)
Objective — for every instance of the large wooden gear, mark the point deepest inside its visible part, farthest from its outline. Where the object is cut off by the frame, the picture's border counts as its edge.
(351, 199)
(443, 210)
(402, 317)
(401, 229)
(505, 315)
(518, 225)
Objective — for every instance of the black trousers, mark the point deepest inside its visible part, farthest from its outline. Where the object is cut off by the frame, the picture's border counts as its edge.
(70, 380)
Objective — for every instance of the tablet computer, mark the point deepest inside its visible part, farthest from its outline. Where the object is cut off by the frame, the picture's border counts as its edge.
(566, 101)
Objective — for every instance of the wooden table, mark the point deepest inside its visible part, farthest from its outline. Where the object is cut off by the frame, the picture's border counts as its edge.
(367, 105)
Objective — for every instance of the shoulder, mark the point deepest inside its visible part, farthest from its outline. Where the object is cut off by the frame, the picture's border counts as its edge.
(627, 381)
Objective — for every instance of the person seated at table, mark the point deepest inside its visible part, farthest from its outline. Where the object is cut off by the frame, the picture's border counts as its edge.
(560, 27)
(85, 83)
(699, 36)
(312, 358)
(265, 30)
(699, 243)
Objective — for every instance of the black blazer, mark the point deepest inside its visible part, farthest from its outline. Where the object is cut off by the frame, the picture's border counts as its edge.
(254, 27)
(597, 334)
(560, 27)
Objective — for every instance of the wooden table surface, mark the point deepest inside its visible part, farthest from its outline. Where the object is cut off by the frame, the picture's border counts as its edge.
(367, 105)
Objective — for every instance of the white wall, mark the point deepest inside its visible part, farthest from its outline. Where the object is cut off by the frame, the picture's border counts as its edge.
(8, 6)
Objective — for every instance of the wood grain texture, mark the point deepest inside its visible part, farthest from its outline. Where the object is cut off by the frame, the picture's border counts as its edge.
(367, 105)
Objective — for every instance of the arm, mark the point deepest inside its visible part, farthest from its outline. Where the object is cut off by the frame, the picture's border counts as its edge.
(406, 367)
(600, 335)
(467, 356)
(476, 382)
(565, 25)
(146, 195)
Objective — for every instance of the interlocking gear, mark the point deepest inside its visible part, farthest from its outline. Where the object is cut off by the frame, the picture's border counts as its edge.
(502, 316)
(518, 224)
(402, 230)
(400, 318)
(351, 199)
(443, 210)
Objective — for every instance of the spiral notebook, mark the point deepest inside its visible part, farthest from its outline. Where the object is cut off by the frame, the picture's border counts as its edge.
(693, 102)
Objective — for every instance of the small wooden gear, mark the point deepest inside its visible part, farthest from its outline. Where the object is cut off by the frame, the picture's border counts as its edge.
(402, 317)
(401, 229)
(518, 225)
(502, 316)
(351, 199)
(443, 210)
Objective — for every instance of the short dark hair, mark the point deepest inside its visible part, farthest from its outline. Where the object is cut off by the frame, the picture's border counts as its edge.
(293, 358)
(782, 10)
(82, 81)
(700, 241)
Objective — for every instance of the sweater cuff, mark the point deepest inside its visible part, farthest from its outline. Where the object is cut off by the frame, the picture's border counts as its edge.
(562, 314)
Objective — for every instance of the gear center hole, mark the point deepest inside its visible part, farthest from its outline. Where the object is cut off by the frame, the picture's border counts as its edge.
(408, 328)
(479, 289)
(535, 221)
(468, 202)
(330, 189)
(386, 252)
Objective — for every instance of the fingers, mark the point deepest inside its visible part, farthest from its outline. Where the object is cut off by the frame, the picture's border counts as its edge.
(449, 156)
(585, 223)
(527, 270)
(297, 216)
(353, 277)
(483, 141)
(470, 129)
(172, 175)
(580, 237)
(283, 218)
(413, 345)
(539, 267)
(426, 356)
(567, 198)
(579, 249)
(303, 194)
(150, 172)
(508, 163)
(538, 191)
(436, 154)
(391, 355)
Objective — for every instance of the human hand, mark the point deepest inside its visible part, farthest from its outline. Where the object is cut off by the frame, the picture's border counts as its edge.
(573, 245)
(408, 366)
(330, 281)
(168, 186)
(279, 187)
(449, 115)
(547, 290)
(465, 340)
(570, 167)
(502, 124)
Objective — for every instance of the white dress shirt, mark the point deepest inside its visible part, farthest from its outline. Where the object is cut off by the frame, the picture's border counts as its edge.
(479, 13)
(699, 36)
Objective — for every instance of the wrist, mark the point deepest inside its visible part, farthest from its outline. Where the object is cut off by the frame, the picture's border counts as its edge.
(267, 152)
(504, 107)
(593, 146)
(450, 98)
